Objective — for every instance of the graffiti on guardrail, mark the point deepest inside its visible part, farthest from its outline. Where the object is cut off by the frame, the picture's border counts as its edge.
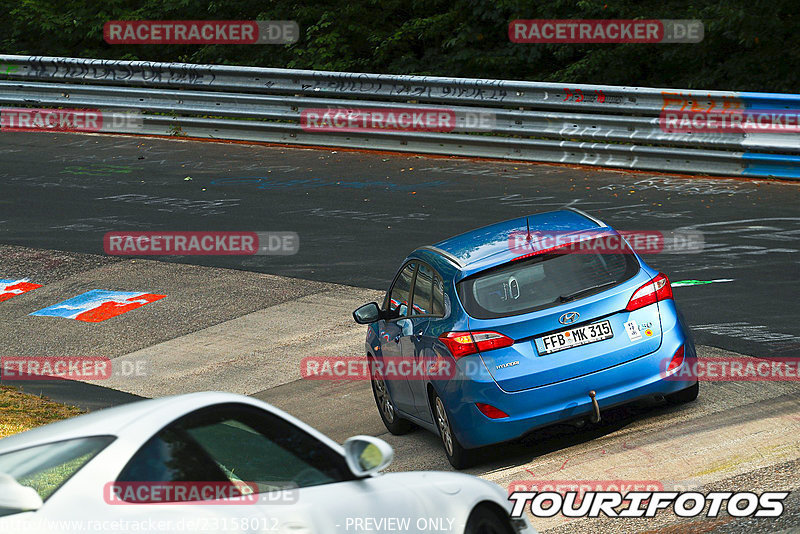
(596, 96)
(632, 140)
(698, 102)
(480, 89)
(347, 82)
(42, 67)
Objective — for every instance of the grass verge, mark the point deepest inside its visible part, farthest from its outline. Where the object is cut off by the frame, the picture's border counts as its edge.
(20, 411)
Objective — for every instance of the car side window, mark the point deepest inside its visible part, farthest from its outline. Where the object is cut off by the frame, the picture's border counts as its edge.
(399, 295)
(171, 456)
(236, 443)
(438, 307)
(423, 289)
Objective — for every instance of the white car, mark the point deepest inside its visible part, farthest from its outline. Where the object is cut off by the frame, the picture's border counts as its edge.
(134, 468)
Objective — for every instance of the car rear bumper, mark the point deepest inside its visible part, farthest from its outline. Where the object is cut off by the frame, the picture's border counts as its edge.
(529, 409)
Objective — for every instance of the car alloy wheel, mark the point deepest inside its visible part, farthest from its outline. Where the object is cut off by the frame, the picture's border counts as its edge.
(382, 396)
(383, 400)
(444, 427)
(457, 455)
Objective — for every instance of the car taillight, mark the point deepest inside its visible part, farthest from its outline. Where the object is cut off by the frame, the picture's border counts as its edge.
(490, 411)
(677, 361)
(656, 289)
(465, 343)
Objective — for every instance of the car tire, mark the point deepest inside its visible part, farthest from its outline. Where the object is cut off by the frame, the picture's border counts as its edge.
(391, 420)
(685, 395)
(458, 456)
(484, 520)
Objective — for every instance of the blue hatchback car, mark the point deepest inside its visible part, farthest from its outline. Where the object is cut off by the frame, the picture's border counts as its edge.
(530, 336)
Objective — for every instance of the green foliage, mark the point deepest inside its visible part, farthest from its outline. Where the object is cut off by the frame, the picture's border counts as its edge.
(749, 45)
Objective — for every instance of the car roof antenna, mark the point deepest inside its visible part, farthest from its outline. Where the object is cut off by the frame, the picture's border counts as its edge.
(528, 224)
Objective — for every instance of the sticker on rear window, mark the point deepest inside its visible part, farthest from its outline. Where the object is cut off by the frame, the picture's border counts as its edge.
(633, 330)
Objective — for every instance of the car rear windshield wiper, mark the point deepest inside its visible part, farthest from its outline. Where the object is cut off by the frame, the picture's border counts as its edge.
(573, 296)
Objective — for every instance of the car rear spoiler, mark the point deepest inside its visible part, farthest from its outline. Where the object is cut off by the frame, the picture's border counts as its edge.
(598, 222)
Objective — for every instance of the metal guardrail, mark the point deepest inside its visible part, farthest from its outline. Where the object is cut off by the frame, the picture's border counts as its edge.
(579, 124)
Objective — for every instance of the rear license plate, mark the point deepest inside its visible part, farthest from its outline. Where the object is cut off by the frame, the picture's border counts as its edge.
(583, 335)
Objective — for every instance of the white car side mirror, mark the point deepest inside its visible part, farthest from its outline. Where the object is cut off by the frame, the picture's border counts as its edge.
(366, 455)
(15, 496)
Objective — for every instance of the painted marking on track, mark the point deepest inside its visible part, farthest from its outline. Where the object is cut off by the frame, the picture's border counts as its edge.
(12, 288)
(752, 332)
(683, 283)
(98, 305)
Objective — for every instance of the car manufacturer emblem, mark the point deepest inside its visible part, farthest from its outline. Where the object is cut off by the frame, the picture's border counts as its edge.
(569, 318)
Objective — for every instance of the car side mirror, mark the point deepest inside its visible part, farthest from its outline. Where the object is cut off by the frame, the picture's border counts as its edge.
(367, 314)
(366, 455)
(15, 496)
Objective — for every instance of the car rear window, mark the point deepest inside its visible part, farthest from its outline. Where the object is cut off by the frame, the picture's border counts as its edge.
(542, 281)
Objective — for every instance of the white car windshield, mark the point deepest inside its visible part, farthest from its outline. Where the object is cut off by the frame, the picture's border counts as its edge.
(45, 468)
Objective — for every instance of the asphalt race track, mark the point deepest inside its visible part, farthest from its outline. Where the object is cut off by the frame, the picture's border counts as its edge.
(244, 323)
(359, 214)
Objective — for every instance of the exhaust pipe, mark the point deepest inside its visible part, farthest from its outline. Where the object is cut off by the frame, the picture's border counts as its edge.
(596, 415)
